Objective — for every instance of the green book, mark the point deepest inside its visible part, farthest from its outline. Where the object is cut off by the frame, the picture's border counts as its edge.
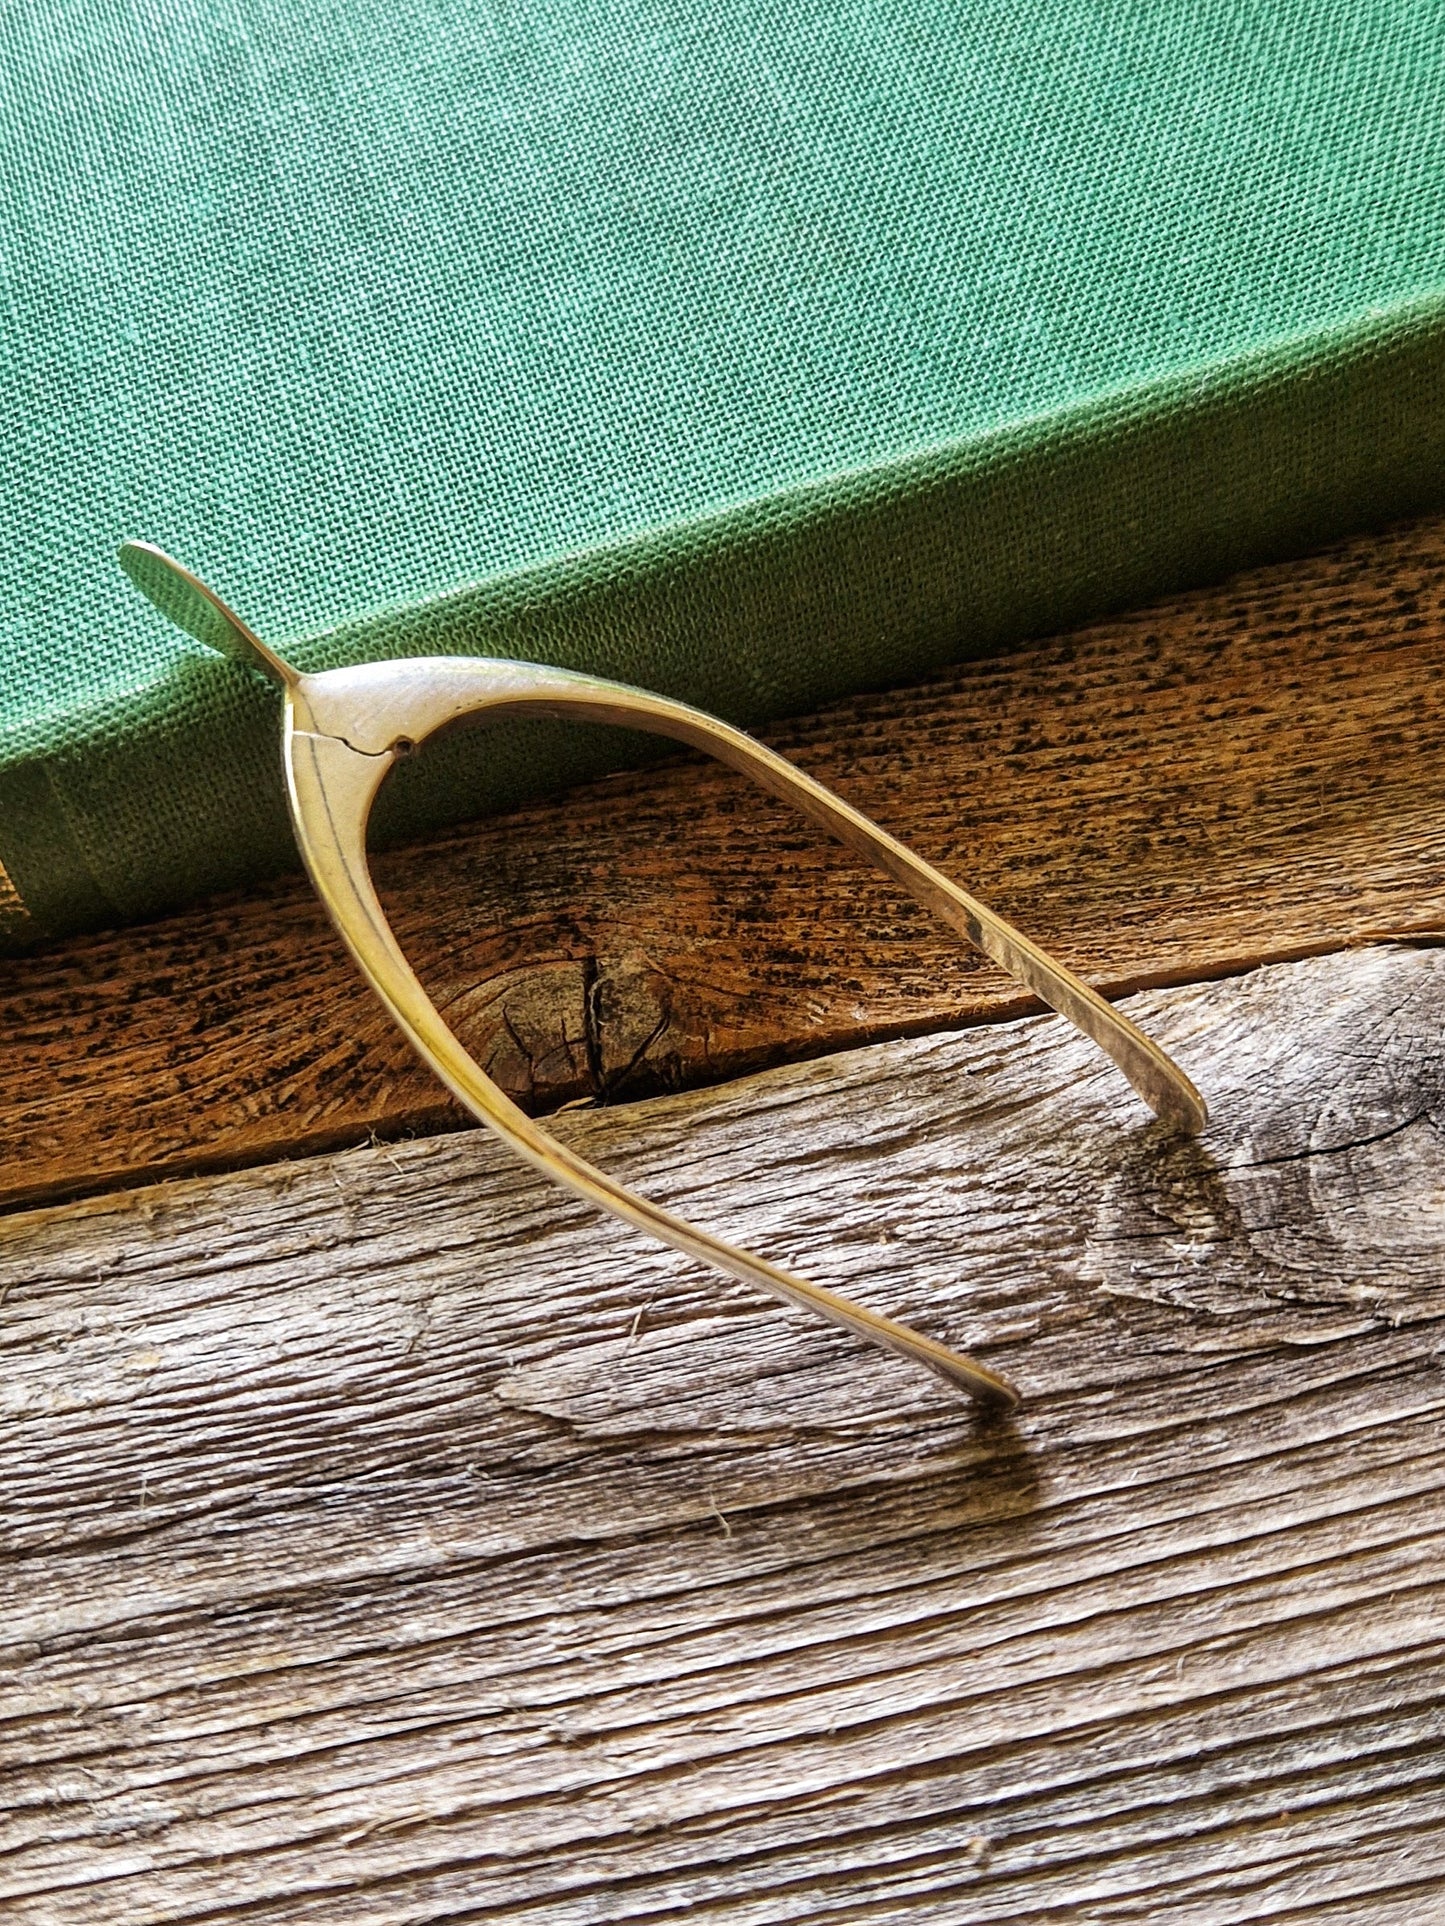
(752, 351)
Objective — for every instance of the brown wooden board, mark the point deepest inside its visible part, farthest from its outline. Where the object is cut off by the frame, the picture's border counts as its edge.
(387, 1539)
(1251, 773)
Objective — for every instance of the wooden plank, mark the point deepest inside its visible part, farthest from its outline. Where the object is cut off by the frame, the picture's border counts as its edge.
(369, 1558)
(1247, 774)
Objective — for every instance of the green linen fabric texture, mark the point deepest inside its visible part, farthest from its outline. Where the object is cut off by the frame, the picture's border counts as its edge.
(755, 350)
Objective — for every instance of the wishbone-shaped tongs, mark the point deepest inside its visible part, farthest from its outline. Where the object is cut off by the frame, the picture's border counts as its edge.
(343, 730)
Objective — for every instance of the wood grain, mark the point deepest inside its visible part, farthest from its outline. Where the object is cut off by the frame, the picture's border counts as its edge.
(369, 1558)
(1248, 774)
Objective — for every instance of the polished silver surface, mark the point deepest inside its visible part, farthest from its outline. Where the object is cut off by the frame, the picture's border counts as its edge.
(345, 728)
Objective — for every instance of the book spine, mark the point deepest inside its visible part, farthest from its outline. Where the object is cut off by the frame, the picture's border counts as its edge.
(768, 608)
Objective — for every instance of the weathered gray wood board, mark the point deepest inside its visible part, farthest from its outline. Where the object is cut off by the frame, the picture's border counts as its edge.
(368, 1559)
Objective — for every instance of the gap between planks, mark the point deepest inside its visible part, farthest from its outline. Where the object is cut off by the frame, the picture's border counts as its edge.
(367, 1561)
(1245, 774)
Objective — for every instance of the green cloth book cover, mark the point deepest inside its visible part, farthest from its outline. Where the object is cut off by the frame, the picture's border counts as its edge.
(754, 352)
